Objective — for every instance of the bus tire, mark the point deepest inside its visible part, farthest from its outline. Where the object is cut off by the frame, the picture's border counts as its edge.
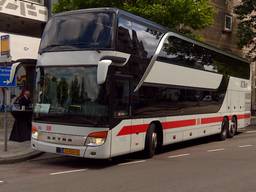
(224, 129)
(234, 120)
(232, 128)
(150, 141)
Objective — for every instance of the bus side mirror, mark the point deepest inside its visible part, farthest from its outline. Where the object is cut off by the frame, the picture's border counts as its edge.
(13, 72)
(116, 61)
(102, 70)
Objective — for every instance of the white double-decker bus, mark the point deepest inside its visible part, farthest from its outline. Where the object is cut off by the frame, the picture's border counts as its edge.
(111, 83)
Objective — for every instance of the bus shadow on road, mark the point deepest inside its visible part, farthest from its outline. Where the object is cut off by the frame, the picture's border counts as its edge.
(192, 143)
(189, 143)
(82, 163)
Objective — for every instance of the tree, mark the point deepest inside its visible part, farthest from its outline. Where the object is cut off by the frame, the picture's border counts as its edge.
(247, 26)
(74, 91)
(181, 15)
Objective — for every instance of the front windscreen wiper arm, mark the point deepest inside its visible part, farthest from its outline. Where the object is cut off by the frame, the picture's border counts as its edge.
(49, 47)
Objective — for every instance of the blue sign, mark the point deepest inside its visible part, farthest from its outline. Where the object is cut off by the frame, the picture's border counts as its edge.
(5, 76)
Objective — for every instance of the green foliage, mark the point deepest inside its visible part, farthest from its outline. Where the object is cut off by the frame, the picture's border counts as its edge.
(180, 15)
(247, 26)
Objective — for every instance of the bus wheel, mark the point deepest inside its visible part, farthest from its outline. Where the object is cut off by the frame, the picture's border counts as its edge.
(232, 128)
(235, 124)
(151, 141)
(224, 129)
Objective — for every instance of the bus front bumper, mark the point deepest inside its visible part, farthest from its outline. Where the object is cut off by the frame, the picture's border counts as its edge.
(99, 152)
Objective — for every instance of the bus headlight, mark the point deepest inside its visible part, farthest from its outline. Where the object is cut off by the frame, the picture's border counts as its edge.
(96, 138)
(34, 132)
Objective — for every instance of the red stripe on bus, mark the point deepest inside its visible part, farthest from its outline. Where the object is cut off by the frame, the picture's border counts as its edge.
(133, 129)
(244, 116)
(142, 128)
(211, 120)
(177, 124)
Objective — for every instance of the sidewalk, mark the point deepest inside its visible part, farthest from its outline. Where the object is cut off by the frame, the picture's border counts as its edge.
(16, 152)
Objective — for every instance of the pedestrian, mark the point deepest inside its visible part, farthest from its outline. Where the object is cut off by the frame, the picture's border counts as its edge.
(21, 130)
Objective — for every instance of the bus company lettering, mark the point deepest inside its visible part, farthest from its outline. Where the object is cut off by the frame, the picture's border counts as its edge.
(48, 128)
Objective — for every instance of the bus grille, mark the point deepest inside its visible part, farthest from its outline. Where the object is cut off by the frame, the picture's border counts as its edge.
(62, 139)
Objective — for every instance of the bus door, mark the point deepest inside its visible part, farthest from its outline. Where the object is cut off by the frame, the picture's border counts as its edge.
(120, 106)
(138, 127)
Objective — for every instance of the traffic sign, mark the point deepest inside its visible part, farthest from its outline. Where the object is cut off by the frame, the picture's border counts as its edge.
(5, 77)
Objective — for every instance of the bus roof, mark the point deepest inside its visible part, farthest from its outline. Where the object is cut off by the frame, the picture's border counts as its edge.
(155, 25)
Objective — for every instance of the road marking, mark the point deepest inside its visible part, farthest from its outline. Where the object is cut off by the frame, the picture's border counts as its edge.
(1, 181)
(71, 171)
(242, 146)
(250, 132)
(132, 162)
(181, 155)
(215, 150)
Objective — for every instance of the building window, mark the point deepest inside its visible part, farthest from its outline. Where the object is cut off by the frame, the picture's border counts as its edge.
(228, 23)
(41, 2)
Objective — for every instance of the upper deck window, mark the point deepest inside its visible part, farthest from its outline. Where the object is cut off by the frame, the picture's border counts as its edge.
(184, 53)
(78, 31)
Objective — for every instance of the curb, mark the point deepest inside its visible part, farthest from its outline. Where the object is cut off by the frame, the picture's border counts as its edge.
(20, 158)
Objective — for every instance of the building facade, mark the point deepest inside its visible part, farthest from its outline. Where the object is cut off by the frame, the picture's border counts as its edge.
(21, 26)
(223, 31)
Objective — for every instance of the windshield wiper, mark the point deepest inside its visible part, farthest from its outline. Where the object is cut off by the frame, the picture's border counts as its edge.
(50, 47)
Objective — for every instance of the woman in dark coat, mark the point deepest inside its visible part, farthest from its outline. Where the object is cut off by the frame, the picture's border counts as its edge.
(21, 130)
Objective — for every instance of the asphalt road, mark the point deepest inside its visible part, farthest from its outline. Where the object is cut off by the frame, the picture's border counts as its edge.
(203, 165)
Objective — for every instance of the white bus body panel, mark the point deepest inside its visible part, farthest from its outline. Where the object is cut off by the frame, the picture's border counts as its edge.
(73, 58)
(182, 76)
(121, 145)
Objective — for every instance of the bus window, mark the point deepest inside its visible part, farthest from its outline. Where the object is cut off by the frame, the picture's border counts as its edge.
(121, 97)
(145, 40)
(124, 35)
(78, 31)
(180, 52)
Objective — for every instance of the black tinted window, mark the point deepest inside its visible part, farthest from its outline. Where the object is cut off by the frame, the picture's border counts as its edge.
(74, 31)
(138, 39)
(124, 35)
(145, 40)
(180, 52)
(168, 101)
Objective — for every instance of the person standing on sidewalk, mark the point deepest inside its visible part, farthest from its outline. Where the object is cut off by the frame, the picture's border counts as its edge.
(21, 130)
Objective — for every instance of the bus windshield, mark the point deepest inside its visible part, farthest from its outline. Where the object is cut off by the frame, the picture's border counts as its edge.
(78, 31)
(70, 95)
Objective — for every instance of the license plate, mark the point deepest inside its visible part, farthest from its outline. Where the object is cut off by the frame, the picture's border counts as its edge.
(75, 152)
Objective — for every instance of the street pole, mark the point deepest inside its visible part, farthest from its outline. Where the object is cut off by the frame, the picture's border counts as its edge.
(5, 120)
